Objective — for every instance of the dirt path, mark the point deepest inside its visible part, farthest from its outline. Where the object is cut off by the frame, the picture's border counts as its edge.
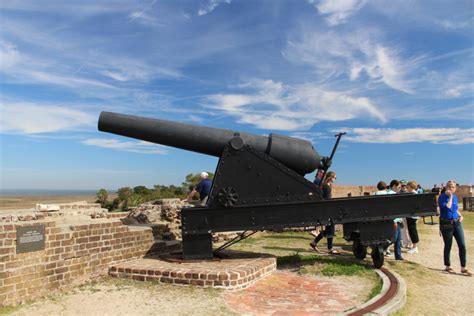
(431, 291)
(120, 297)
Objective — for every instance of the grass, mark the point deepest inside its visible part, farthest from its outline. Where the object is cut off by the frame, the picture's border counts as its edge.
(327, 266)
(9, 309)
(376, 289)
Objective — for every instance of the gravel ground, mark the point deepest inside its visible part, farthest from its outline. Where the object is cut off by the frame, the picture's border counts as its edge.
(431, 291)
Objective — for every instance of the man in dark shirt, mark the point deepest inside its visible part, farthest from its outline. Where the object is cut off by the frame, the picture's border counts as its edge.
(203, 188)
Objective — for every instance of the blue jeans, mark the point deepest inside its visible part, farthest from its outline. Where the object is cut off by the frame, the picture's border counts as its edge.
(398, 242)
(450, 229)
(328, 232)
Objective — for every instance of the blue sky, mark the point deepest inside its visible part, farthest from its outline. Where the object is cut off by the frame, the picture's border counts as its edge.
(397, 76)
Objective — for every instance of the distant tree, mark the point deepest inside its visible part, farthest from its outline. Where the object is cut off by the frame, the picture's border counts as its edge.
(102, 197)
(141, 190)
(135, 200)
(124, 193)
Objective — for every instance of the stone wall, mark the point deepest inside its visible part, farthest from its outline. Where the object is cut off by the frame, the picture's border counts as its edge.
(73, 254)
(464, 191)
(355, 190)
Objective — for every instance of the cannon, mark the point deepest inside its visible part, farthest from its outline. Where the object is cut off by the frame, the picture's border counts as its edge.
(259, 184)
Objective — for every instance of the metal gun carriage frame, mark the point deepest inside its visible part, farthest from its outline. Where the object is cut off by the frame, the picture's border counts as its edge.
(259, 184)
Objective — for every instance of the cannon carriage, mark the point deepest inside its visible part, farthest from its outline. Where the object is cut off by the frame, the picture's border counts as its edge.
(259, 184)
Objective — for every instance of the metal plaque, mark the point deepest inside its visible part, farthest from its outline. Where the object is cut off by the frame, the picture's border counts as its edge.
(29, 238)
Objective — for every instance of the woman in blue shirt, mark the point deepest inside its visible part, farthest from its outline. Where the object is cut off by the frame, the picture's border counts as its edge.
(451, 226)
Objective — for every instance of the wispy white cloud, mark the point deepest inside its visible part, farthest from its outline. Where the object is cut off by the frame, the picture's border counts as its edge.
(144, 17)
(438, 15)
(30, 118)
(338, 11)
(210, 6)
(80, 8)
(411, 135)
(455, 24)
(273, 105)
(140, 147)
(419, 111)
(354, 54)
(460, 89)
(313, 137)
(9, 54)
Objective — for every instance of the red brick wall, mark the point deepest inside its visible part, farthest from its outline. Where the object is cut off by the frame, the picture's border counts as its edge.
(72, 255)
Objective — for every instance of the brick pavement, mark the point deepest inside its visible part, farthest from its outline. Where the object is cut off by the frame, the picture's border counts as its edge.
(287, 293)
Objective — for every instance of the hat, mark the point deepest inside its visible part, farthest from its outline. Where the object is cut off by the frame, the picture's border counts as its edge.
(204, 174)
(403, 182)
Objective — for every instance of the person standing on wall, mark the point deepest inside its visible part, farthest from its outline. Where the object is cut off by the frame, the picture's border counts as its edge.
(329, 230)
(203, 188)
(450, 224)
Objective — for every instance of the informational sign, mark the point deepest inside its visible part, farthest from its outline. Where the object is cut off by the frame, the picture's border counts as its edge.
(29, 238)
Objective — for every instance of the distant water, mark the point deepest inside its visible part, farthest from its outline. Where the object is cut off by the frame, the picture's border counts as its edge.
(45, 192)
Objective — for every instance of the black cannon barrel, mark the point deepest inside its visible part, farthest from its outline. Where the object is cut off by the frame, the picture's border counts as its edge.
(296, 154)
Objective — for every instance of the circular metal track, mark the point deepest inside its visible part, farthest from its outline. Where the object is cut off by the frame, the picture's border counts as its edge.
(391, 292)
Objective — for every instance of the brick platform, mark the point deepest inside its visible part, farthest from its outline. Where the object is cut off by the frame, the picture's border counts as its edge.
(237, 271)
(287, 293)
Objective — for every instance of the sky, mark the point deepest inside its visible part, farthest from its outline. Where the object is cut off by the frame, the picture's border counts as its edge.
(397, 76)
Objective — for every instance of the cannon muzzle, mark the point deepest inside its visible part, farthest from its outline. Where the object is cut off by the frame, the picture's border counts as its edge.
(297, 154)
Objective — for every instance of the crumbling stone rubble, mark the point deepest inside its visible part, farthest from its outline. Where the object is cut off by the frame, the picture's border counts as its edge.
(165, 216)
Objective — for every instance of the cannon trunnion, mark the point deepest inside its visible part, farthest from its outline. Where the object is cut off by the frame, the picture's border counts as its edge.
(259, 184)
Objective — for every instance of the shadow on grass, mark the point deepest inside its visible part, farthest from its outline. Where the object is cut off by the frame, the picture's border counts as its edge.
(288, 249)
(283, 236)
(326, 265)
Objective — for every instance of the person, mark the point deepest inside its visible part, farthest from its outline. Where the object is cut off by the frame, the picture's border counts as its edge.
(450, 224)
(403, 188)
(319, 177)
(419, 189)
(203, 188)
(382, 190)
(395, 187)
(411, 221)
(405, 237)
(330, 229)
(317, 181)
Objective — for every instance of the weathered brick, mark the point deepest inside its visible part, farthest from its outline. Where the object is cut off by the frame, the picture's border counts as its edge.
(82, 240)
(213, 276)
(14, 280)
(182, 281)
(61, 270)
(166, 279)
(198, 282)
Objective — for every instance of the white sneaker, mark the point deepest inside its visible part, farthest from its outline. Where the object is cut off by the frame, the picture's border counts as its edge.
(412, 250)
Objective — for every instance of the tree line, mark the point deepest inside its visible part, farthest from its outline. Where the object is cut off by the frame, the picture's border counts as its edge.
(128, 197)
